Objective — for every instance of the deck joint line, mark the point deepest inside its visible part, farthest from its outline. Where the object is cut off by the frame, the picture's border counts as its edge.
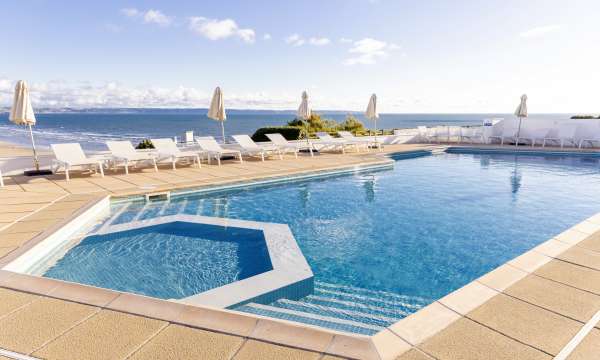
(578, 338)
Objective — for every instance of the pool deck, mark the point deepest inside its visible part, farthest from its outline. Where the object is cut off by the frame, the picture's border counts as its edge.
(529, 308)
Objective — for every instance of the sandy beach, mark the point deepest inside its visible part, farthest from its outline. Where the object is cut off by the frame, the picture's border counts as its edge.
(11, 150)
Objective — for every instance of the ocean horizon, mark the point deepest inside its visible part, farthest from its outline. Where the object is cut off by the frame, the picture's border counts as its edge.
(92, 127)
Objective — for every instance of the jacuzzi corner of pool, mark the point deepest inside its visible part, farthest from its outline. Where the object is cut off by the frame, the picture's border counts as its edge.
(191, 259)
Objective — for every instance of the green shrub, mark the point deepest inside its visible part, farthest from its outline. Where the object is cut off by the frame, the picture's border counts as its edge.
(584, 117)
(288, 132)
(352, 124)
(145, 144)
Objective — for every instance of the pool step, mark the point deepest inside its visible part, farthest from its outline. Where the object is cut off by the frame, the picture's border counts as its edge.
(335, 323)
(343, 308)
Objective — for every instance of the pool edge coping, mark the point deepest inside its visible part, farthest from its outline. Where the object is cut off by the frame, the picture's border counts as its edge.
(389, 343)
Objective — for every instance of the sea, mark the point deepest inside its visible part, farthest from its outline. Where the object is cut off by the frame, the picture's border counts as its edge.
(93, 127)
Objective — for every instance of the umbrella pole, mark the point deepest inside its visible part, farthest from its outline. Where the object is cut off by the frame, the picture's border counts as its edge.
(375, 129)
(36, 162)
(518, 132)
(223, 131)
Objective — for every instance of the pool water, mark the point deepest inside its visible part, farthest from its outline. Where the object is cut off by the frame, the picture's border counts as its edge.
(382, 244)
(169, 261)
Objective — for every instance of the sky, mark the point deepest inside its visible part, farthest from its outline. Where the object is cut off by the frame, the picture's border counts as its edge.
(418, 56)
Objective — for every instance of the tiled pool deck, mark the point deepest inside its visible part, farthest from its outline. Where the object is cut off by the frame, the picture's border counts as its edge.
(529, 308)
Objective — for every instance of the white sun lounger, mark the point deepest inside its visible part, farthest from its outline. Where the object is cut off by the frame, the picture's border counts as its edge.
(566, 133)
(123, 152)
(508, 133)
(250, 148)
(71, 155)
(214, 150)
(1, 179)
(278, 140)
(347, 135)
(591, 140)
(470, 134)
(168, 150)
(330, 142)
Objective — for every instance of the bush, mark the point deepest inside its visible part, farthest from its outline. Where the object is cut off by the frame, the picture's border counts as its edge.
(288, 132)
(145, 144)
(584, 117)
(352, 124)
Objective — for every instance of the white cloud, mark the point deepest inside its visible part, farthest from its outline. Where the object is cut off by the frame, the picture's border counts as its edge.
(215, 29)
(63, 94)
(540, 31)
(267, 36)
(295, 40)
(156, 17)
(151, 16)
(319, 41)
(130, 12)
(368, 51)
(345, 40)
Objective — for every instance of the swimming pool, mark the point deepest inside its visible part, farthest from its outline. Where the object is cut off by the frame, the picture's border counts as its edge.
(382, 244)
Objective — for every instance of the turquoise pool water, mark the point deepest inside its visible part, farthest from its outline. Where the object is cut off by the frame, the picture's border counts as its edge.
(382, 244)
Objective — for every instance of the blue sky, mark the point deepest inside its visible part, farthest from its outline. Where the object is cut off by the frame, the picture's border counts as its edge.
(426, 56)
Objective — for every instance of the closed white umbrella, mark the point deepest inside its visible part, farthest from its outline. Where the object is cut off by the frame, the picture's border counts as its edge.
(521, 112)
(304, 111)
(21, 113)
(372, 113)
(217, 110)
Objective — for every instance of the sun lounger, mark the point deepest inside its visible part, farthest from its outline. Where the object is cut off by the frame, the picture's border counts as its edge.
(330, 142)
(1, 179)
(123, 152)
(591, 140)
(214, 150)
(168, 150)
(347, 135)
(508, 133)
(250, 148)
(565, 133)
(71, 155)
(285, 146)
(470, 134)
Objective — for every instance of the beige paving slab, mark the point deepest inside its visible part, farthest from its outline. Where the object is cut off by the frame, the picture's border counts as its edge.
(563, 299)
(257, 350)
(353, 347)
(589, 348)
(587, 227)
(530, 261)
(527, 323)
(502, 277)
(28, 283)
(6, 250)
(592, 242)
(388, 345)
(39, 322)
(227, 322)
(468, 297)
(287, 334)
(414, 354)
(29, 226)
(179, 342)
(578, 276)
(147, 306)
(467, 340)
(552, 248)
(11, 300)
(10, 217)
(84, 294)
(21, 208)
(16, 239)
(578, 255)
(571, 236)
(424, 323)
(106, 335)
(50, 214)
